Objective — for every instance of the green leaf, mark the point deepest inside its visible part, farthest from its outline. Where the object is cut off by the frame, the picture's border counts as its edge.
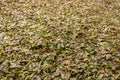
(73, 79)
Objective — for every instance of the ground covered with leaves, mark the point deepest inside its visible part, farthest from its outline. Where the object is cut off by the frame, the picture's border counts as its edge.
(59, 39)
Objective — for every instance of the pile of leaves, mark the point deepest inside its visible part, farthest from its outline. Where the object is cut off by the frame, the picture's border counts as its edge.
(59, 39)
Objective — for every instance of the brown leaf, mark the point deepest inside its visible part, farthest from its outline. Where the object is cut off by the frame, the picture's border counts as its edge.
(108, 56)
(66, 62)
(15, 48)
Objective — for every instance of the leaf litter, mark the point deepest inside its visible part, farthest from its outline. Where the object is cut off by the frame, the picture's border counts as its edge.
(59, 40)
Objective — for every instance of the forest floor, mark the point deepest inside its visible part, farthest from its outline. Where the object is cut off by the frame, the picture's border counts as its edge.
(59, 39)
